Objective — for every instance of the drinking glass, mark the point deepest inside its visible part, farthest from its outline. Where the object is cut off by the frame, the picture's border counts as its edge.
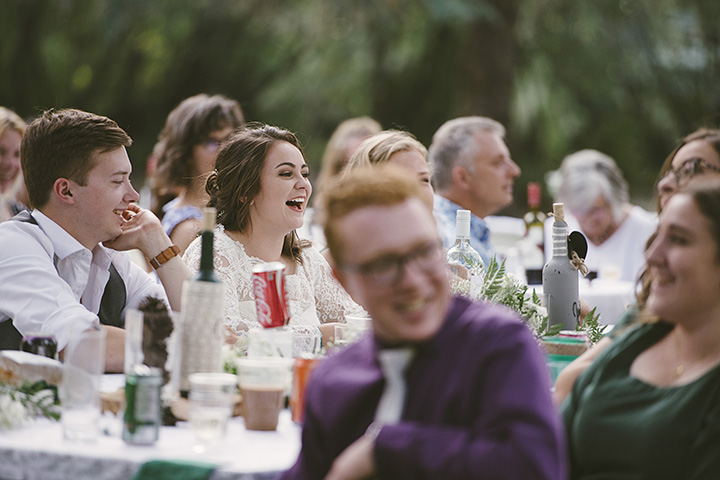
(211, 402)
(83, 367)
(344, 335)
(352, 330)
(133, 339)
(270, 342)
(307, 341)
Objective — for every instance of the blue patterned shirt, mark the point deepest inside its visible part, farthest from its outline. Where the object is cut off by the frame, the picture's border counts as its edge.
(445, 212)
(176, 215)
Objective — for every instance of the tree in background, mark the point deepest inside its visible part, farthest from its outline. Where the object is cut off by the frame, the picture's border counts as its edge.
(627, 77)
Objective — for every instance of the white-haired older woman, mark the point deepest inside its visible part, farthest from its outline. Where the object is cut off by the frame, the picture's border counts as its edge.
(595, 193)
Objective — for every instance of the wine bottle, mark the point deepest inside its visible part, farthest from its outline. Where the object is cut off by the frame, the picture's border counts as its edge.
(533, 245)
(466, 264)
(560, 278)
(203, 312)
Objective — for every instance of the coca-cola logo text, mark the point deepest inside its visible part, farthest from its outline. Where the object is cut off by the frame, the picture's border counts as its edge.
(264, 313)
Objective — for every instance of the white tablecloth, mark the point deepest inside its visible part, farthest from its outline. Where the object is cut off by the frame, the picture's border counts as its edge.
(611, 298)
(39, 452)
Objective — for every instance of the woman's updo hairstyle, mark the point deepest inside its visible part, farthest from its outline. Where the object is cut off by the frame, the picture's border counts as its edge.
(235, 182)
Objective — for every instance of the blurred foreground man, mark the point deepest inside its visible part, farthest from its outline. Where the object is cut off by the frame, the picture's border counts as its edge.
(474, 398)
(60, 270)
(472, 170)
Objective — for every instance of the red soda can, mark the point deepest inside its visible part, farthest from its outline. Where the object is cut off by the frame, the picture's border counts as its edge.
(269, 288)
(304, 365)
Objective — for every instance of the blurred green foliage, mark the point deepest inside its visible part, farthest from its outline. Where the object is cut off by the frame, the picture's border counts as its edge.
(627, 77)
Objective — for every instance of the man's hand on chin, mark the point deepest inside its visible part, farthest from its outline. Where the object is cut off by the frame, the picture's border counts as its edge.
(141, 230)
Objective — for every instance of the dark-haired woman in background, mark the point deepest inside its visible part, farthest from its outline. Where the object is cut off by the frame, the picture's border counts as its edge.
(260, 189)
(185, 154)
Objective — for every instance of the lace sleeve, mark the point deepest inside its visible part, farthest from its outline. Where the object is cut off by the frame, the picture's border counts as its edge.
(332, 302)
(233, 268)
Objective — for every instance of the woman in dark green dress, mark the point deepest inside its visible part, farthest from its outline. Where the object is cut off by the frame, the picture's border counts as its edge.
(649, 406)
(697, 156)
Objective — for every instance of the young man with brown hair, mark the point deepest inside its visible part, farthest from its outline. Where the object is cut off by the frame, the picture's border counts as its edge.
(60, 265)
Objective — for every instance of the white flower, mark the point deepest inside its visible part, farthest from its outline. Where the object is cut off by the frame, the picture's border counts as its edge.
(12, 412)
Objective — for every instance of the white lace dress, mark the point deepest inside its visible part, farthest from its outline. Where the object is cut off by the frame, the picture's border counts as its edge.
(314, 296)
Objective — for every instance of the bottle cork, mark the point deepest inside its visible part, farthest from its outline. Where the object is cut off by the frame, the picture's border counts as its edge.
(208, 220)
(559, 212)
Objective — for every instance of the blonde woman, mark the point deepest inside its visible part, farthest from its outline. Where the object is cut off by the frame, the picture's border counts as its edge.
(399, 148)
(12, 187)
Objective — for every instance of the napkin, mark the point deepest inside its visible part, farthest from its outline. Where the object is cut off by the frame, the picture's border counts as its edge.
(175, 470)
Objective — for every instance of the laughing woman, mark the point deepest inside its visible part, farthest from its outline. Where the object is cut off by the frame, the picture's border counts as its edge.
(260, 189)
(649, 406)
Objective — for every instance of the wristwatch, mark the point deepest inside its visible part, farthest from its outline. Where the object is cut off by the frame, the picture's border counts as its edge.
(164, 256)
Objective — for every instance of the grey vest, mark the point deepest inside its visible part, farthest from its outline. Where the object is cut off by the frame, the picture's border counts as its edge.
(111, 306)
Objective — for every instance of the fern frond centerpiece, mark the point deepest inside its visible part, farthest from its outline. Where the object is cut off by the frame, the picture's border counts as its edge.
(502, 288)
(497, 286)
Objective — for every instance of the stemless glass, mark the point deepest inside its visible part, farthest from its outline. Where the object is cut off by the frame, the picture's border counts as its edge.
(352, 330)
(210, 406)
(83, 367)
(306, 341)
(270, 342)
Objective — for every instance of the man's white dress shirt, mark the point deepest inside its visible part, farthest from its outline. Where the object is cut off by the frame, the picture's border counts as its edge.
(51, 284)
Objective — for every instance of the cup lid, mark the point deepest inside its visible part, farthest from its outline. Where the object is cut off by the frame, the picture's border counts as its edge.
(212, 380)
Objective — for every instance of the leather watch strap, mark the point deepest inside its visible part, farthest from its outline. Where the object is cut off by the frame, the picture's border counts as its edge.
(164, 256)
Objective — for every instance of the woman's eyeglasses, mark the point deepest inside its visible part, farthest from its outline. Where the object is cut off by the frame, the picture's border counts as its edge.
(212, 145)
(690, 168)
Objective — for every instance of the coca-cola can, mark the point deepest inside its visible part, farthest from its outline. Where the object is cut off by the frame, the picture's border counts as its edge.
(269, 288)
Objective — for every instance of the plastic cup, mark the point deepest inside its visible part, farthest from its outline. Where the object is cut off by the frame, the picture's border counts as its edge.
(304, 366)
(361, 324)
(344, 335)
(263, 382)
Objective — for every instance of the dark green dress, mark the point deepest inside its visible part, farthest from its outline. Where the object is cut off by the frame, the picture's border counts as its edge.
(619, 427)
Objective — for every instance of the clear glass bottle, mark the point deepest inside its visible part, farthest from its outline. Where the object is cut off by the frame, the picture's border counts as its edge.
(464, 261)
(203, 313)
(560, 279)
